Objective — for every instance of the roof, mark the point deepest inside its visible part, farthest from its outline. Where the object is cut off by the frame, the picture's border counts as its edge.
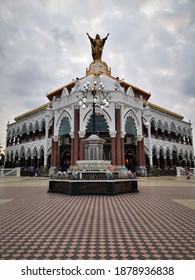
(28, 113)
(135, 89)
(59, 90)
(161, 109)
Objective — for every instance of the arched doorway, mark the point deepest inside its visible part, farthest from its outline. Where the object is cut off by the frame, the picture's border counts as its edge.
(65, 160)
(155, 157)
(130, 160)
(130, 144)
(161, 159)
(65, 142)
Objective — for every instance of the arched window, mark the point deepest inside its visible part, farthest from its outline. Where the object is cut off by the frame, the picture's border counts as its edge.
(100, 124)
(130, 127)
(64, 127)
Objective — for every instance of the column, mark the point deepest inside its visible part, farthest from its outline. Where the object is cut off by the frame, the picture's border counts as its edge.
(140, 148)
(38, 162)
(158, 162)
(169, 135)
(46, 146)
(156, 131)
(149, 144)
(123, 148)
(81, 150)
(54, 156)
(118, 135)
(59, 151)
(113, 147)
(163, 134)
(165, 162)
(72, 148)
(76, 138)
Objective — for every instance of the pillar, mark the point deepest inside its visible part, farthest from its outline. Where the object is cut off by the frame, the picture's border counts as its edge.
(46, 146)
(149, 145)
(122, 148)
(113, 147)
(156, 131)
(81, 146)
(140, 150)
(163, 134)
(72, 148)
(165, 162)
(76, 138)
(118, 135)
(158, 162)
(54, 162)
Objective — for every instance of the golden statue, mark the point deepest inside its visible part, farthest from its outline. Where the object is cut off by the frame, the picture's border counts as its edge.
(97, 46)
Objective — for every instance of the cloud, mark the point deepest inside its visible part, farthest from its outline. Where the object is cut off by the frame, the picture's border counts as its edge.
(43, 45)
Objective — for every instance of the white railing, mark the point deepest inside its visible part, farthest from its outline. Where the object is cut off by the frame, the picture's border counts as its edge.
(10, 172)
(181, 171)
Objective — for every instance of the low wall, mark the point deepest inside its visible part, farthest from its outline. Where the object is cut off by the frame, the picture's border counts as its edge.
(104, 187)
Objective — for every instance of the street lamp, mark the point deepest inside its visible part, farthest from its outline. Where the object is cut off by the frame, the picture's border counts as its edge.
(96, 92)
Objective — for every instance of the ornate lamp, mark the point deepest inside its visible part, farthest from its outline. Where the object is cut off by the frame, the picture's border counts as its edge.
(95, 93)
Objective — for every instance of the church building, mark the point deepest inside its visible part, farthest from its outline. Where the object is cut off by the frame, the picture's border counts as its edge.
(136, 133)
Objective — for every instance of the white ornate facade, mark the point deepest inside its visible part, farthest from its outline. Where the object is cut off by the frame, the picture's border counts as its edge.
(134, 130)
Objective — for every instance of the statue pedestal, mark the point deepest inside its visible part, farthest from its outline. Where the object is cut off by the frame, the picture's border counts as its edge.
(98, 67)
(93, 147)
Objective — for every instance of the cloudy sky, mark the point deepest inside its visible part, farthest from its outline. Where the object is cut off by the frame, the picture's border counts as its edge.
(43, 46)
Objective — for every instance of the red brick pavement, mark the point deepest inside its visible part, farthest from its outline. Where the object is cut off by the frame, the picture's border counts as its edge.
(149, 225)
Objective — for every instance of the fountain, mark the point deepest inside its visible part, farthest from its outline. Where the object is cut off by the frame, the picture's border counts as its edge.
(93, 175)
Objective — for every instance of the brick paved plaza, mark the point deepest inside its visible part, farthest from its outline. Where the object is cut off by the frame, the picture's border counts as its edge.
(156, 223)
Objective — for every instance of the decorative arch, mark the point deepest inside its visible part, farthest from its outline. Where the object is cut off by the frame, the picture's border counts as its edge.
(22, 152)
(130, 127)
(173, 128)
(161, 151)
(186, 155)
(35, 152)
(168, 156)
(166, 126)
(101, 124)
(13, 133)
(36, 126)
(41, 151)
(179, 130)
(153, 126)
(24, 129)
(159, 125)
(174, 155)
(43, 123)
(155, 155)
(132, 114)
(30, 128)
(41, 156)
(36, 129)
(64, 127)
(98, 111)
(63, 114)
(29, 153)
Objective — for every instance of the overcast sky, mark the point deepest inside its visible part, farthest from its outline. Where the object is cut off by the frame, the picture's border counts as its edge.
(43, 46)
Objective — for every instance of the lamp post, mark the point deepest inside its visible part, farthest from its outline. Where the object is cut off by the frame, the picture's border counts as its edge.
(96, 92)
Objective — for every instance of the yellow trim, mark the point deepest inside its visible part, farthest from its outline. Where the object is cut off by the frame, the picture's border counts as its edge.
(164, 110)
(60, 88)
(31, 111)
(128, 84)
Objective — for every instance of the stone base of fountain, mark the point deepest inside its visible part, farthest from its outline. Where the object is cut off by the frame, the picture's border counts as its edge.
(95, 187)
(93, 177)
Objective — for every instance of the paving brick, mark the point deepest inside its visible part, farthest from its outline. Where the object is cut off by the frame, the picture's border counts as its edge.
(35, 224)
